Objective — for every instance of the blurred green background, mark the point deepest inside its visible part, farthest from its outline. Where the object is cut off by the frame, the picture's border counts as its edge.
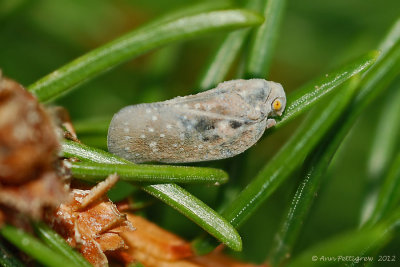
(37, 37)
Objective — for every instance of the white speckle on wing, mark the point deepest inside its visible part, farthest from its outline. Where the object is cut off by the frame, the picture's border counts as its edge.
(182, 136)
(153, 144)
(127, 149)
(148, 111)
(200, 146)
(127, 138)
(150, 129)
(162, 135)
(175, 145)
(154, 118)
(197, 106)
(169, 126)
(142, 136)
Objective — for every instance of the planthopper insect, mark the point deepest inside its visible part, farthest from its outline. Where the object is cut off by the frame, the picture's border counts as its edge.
(216, 124)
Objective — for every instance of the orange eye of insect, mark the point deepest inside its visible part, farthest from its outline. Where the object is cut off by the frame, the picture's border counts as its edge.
(277, 105)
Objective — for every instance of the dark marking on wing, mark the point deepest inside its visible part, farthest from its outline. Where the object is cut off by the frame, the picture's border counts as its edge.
(261, 94)
(215, 137)
(204, 125)
(235, 124)
(212, 138)
(258, 95)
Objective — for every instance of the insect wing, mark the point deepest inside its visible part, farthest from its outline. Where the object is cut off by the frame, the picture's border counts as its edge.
(216, 124)
(170, 133)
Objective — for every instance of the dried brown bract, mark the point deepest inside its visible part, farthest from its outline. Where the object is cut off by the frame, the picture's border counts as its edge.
(28, 153)
(92, 223)
(151, 241)
(155, 247)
